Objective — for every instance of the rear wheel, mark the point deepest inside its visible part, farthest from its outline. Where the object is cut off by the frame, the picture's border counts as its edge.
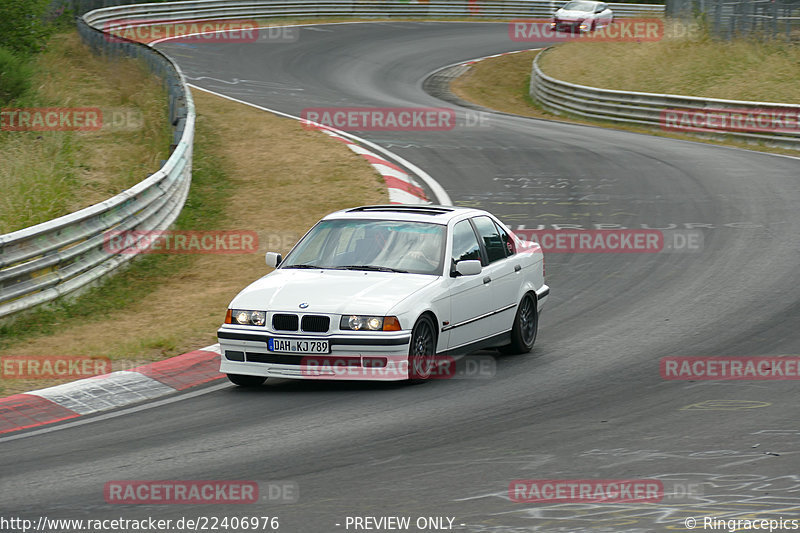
(246, 381)
(422, 350)
(525, 328)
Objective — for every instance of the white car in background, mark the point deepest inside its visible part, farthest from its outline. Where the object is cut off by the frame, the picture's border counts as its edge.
(580, 16)
(387, 287)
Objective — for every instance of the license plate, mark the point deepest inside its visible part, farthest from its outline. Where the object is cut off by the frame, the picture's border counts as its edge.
(298, 346)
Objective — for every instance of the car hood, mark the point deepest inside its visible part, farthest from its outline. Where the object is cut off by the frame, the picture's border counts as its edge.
(330, 291)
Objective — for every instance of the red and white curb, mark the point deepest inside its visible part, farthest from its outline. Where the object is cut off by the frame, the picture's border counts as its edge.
(403, 189)
(109, 391)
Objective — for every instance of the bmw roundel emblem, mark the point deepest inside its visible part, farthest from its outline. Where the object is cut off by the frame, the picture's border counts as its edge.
(303, 305)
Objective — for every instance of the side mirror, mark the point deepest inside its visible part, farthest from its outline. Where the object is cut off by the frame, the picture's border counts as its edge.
(469, 268)
(273, 259)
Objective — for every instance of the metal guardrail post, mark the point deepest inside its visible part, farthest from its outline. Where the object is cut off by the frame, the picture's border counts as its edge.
(717, 16)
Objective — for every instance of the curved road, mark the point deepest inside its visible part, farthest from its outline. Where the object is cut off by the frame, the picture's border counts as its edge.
(587, 403)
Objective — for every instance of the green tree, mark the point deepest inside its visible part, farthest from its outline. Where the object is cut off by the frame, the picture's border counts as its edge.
(23, 25)
(15, 76)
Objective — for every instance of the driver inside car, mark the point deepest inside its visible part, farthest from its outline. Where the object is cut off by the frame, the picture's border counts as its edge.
(424, 252)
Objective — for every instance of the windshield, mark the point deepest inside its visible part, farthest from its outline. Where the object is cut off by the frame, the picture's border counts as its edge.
(415, 247)
(579, 6)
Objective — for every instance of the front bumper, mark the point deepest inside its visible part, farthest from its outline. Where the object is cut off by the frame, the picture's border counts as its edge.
(572, 26)
(361, 357)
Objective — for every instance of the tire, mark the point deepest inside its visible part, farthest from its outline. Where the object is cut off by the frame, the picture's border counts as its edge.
(594, 26)
(246, 381)
(422, 350)
(525, 328)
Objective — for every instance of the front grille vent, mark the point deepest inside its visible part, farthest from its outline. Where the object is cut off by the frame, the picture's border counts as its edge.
(316, 323)
(284, 322)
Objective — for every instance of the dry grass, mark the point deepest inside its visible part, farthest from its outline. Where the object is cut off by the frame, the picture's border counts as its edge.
(736, 70)
(49, 174)
(502, 83)
(281, 179)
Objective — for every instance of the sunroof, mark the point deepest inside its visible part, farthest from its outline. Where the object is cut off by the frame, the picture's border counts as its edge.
(399, 208)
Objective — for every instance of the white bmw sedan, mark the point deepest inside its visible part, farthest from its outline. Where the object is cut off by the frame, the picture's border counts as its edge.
(582, 16)
(380, 292)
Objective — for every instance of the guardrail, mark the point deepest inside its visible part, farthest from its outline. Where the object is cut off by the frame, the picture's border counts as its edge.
(43, 262)
(753, 121)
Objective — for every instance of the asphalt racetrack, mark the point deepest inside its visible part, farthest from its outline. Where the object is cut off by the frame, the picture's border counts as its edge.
(588, 403)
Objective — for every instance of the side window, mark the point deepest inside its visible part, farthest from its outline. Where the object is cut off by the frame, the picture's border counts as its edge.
(465, 243)
(495, 248)
(508, 242)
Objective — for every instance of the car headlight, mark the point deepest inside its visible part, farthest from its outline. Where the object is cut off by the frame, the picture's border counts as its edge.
(245, 317)
(369, 323)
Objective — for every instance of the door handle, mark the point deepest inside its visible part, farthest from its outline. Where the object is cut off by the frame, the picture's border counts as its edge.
(486, 280)
(517, 268)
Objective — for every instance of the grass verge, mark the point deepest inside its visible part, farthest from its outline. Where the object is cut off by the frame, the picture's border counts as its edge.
(733, 70)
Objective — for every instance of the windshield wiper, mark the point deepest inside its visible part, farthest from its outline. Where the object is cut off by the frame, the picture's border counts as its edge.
(303, 266)
(372, 268)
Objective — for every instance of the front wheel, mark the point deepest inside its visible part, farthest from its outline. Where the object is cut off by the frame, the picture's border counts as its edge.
(423, 349)
(246, 381)
(525, 328)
